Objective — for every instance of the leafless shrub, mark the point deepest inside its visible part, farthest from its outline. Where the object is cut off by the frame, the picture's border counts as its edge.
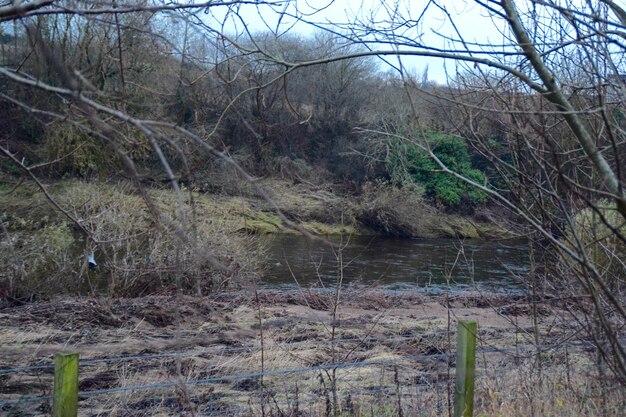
(134, 255)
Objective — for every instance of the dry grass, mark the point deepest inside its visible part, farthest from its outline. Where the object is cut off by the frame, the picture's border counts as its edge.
(415, 217)
(43, 253)
(226, 331)
(136, 254)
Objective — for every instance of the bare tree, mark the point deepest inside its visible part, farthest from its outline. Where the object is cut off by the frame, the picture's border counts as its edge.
(99, 81)
(552, 93)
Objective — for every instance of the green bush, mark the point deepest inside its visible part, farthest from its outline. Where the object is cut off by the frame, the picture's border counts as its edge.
(409, 164)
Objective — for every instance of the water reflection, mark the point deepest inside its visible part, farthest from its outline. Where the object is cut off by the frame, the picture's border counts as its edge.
(433, 265)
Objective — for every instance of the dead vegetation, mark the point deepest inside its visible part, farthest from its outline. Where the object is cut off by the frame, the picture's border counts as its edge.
(134, 252)
(44, 253)
(416, 216)
(207, 353)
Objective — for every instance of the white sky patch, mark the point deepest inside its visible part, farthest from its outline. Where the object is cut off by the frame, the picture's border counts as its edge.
(436, 28)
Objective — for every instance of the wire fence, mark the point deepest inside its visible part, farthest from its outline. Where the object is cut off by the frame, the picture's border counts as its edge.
(517, 349)
(421, 382)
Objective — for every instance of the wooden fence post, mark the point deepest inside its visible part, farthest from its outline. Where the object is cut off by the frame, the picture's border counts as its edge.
(465, 369)
(65, 394)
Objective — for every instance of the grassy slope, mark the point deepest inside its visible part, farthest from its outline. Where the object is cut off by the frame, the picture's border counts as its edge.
(322, 211)
(314, 208)
(44, 252)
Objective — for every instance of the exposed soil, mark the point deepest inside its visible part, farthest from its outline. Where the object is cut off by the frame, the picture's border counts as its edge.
(297, 331)
(98, 326)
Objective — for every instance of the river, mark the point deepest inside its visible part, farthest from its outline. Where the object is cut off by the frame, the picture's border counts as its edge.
(426, 265)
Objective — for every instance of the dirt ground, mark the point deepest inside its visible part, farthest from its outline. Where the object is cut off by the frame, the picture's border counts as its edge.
(143, 341)
(98, 327)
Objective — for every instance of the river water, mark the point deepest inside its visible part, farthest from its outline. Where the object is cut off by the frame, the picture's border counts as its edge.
(426, 265)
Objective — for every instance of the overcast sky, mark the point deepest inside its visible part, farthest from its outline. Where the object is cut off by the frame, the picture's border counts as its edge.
(434, 27)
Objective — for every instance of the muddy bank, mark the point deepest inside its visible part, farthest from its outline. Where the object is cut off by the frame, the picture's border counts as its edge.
(374, 324)
(236, 353)
(103, 326)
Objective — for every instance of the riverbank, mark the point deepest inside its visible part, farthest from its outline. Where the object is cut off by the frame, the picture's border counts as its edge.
(107, 327)
(137, 247)
(319, 209)
(377, 209)
(168, 339)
